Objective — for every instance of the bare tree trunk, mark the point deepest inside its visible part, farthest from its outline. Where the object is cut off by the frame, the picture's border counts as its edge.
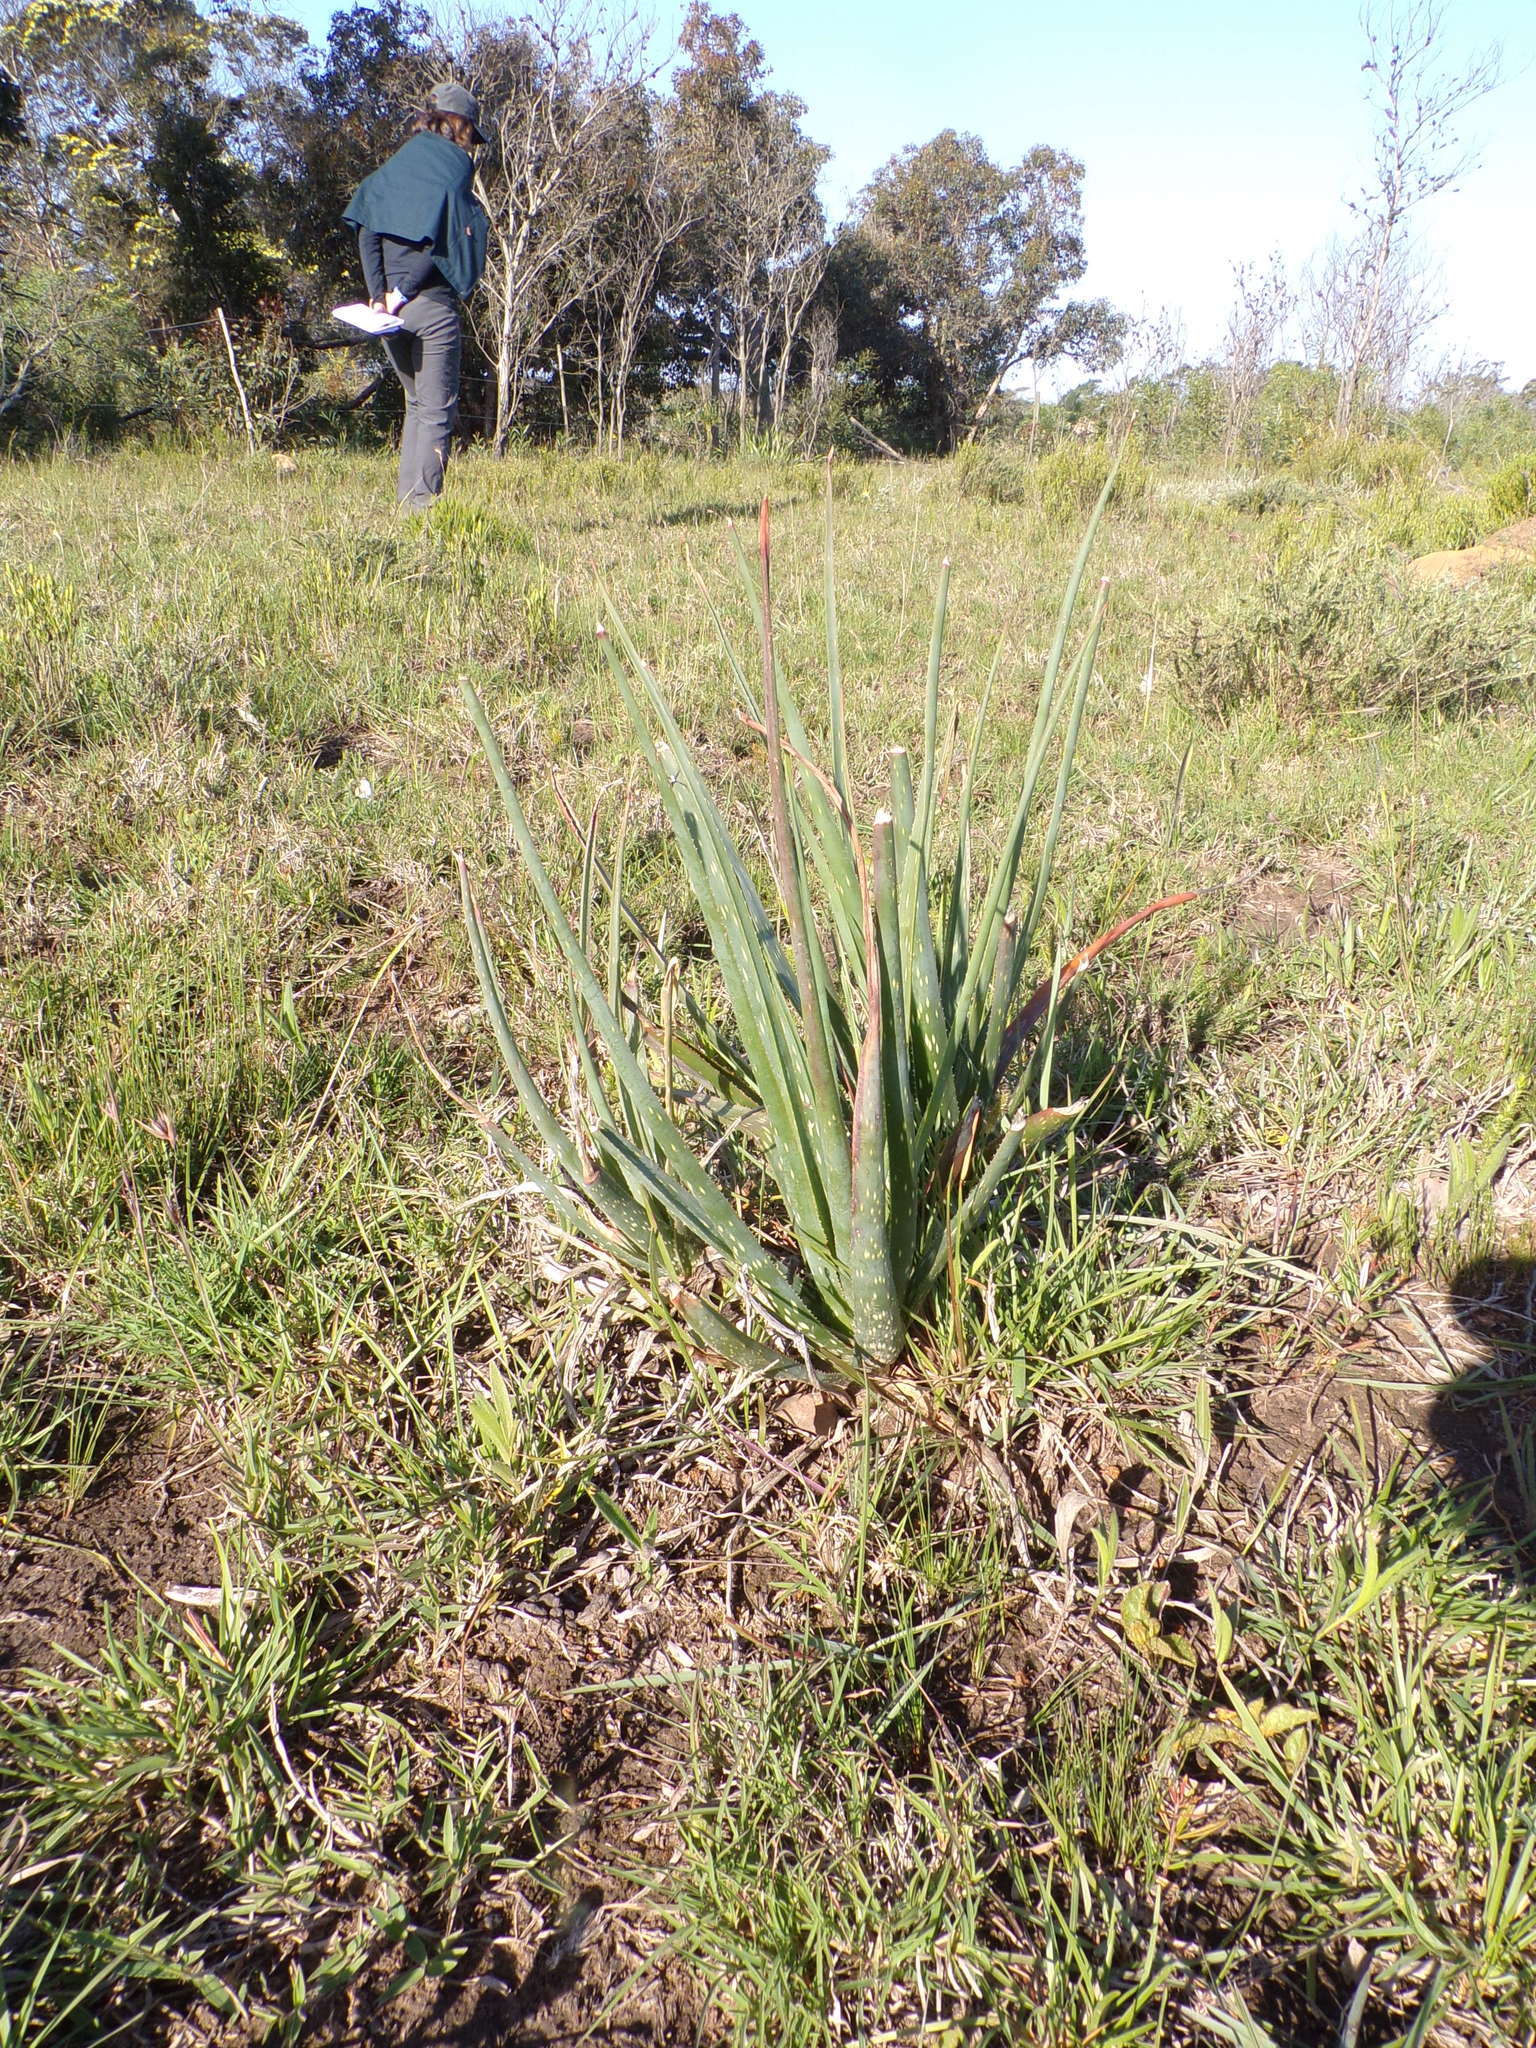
(1417, 155)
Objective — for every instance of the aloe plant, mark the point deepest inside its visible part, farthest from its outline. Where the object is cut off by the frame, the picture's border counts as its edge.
(868, 1059)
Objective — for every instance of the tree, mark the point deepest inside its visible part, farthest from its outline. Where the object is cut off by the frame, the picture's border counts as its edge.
(645, 211)
(1263, 304)
(128, 163)
(1372, 303)
(756, 250)
(559, 89)
(323, 130)
(967, 259)
(12, 128)
(1154, 381)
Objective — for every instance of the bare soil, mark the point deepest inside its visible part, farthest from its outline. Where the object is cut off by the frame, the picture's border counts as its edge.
(64, 1572)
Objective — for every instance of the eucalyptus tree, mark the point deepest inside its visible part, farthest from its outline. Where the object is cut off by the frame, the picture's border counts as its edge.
(756, 249)
(559, 91)
(962, 263)
(326, 126)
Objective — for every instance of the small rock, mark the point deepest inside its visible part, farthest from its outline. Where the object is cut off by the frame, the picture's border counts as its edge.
(813, 1413)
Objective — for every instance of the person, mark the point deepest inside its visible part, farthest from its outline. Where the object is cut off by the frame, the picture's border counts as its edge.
(421, 236)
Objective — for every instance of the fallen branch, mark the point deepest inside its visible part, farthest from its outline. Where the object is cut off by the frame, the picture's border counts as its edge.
(870, 435)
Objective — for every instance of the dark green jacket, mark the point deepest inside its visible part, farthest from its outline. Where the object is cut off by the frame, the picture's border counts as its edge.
(424, 194)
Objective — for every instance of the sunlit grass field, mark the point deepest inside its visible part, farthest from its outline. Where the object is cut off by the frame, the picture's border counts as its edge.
(403, 1637)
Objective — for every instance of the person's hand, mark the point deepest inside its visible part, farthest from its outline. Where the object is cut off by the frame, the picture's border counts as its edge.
(377, 306)
(393, 301)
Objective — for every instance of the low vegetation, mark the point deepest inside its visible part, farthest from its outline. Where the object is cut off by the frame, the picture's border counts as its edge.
(409, 1632)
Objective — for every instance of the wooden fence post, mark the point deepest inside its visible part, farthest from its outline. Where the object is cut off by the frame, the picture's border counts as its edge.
(234, 371)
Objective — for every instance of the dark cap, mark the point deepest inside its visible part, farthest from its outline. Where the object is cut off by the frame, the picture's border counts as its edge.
(453, 99)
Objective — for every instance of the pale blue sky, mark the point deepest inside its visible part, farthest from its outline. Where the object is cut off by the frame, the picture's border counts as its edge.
(1212, 131)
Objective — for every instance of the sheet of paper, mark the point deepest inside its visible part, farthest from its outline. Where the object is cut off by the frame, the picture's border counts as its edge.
(362, 315)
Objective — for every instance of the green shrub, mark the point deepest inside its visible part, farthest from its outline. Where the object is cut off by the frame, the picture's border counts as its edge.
(1512, 492)
(1333, 633)
(195, 392)
(477, 530)
(90, 360)
(1364, 459)
(1293, 409)
(1414, 515)
(41, 695)
(995, 476)
(1072, 477)
(1261, 495)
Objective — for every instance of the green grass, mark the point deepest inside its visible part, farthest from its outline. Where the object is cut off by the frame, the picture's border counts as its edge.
(1182, 1691)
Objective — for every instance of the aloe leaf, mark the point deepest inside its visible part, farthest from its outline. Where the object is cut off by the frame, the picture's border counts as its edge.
(1000, 890)
(1002, 991)
(716, 1333)
(924, 1022)
(623, 1214)
(901, 1172)
(925, 997)
(874, 1304)
(680, 771)
(825, 1107)
(581, 1027)
(778, 1290)
(759, 982)
(1047, 860)
(830, 837)
(589, 1220)
(614, 884)
(622, 996)
(668, 1035)
(834, 665)
(612, 880)
(956, 932)
(529, 1093)
(726, 1227)
(904, 817)
(931, 713)
(1024, 1137)
(1028, 1019)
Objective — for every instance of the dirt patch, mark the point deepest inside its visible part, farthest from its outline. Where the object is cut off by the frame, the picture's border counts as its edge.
(1269, 908)
(144, 1528)
(1509, 547)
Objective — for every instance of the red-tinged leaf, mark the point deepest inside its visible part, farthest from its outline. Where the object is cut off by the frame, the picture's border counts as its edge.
(1029, 1018)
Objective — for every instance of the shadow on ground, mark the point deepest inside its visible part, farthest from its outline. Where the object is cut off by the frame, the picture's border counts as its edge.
(1483, 1423)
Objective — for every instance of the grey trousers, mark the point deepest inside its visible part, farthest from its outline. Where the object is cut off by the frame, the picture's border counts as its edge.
(426, 360)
